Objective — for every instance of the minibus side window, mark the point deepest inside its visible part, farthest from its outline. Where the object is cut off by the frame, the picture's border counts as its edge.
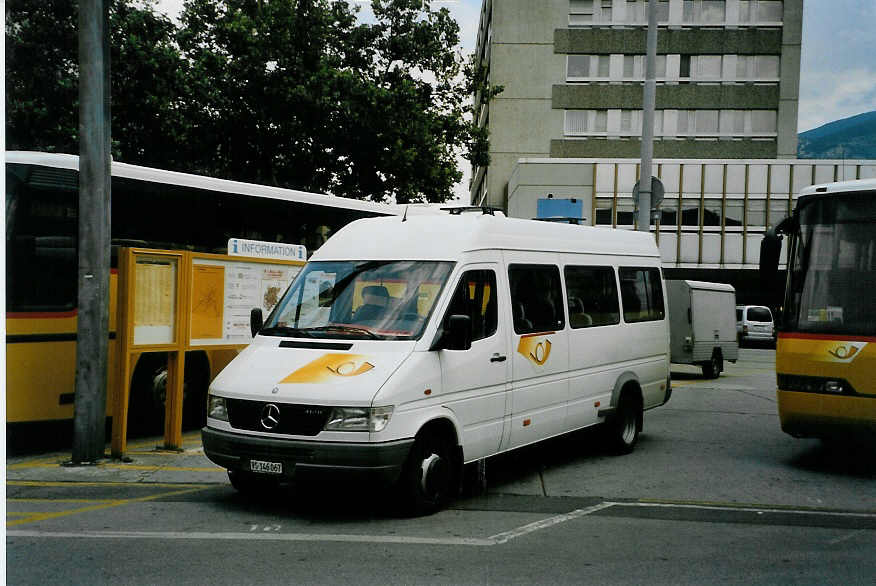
(475, 296)
(536, 298)
(591, 296)
(642, 294)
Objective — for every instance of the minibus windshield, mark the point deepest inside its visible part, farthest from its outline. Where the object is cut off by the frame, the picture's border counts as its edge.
(386, 300)
(833, 267)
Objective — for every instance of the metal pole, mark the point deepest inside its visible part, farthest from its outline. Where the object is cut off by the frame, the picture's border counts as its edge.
(89, 410)
(644, 211)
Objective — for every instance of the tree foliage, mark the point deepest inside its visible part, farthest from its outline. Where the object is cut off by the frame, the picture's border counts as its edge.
(294, 93)
(42, 89)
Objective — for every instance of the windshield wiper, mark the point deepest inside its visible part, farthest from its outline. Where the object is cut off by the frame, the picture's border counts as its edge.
(344, 328)
(285, 331)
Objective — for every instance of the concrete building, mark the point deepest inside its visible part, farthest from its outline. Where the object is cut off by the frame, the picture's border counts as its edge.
(573, 72)
(712, 218)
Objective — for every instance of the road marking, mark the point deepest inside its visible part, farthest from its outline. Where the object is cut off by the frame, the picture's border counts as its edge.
(103, 504)
(846, 537)
(707, 506)
(506, 536)
(396, 539)
(66, 483)
(498, 539)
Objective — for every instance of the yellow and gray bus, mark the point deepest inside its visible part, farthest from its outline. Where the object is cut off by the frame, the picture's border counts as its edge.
(826, 349)
(150, 208)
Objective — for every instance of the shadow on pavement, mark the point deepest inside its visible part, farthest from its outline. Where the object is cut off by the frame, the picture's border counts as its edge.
(841, 458)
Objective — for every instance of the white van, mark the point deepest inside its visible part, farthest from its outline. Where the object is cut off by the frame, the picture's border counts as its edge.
(754, 323)
(407, 347)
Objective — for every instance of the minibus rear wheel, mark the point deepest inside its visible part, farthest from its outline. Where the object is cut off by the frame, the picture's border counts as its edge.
(624, 426)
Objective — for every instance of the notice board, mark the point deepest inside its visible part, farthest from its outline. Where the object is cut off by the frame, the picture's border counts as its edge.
(224, 291)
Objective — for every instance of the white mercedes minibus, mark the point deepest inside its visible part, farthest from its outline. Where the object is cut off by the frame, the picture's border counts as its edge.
(411, 346)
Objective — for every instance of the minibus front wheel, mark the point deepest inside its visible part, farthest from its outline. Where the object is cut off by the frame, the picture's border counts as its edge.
(427, 480)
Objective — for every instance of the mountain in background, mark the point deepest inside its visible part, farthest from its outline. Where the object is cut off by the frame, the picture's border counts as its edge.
(849, 138)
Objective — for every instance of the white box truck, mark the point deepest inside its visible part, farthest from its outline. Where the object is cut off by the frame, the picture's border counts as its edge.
(702, 324)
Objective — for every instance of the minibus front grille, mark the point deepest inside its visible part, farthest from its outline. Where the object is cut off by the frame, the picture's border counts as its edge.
(290, 419)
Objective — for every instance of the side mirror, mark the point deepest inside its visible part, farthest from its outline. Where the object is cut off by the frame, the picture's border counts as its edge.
(458, 333)
(455, 335)
(256, 321)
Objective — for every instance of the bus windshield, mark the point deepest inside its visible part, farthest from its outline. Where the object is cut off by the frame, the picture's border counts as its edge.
(387, 300)
(832, 275)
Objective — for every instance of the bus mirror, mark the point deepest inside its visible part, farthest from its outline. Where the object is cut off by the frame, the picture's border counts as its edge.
(770, 249)
(457, 336)
(256, 321)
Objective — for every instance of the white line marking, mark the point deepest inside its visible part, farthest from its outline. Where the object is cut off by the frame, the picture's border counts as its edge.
(253, 537)
(545, 523)
(744, 508)
(497, 539)
(845, 537)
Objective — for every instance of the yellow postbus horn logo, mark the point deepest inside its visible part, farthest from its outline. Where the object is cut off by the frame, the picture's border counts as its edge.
(843, 352)
(537, 349)
(329, 367)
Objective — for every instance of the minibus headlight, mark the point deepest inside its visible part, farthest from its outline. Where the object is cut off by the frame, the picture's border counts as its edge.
(216, 408)
(358, 419)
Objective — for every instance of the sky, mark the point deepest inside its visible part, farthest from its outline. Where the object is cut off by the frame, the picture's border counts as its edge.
(837, 65)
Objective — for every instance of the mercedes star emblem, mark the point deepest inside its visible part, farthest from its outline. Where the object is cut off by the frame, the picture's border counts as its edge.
(270, 416)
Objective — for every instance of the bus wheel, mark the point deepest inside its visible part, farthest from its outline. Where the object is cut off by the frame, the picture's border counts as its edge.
(251, 484)
(624, 426)
(149, 393)
(427, 478)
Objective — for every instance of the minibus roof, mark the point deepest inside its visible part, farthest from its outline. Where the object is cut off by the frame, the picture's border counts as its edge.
(445, 237)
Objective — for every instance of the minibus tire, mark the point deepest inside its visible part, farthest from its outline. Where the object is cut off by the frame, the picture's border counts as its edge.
(624, 425)
(250, 484)
(427, 478)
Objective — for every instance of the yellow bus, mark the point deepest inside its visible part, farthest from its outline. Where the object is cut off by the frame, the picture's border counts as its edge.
(151, 208)
(826, 350)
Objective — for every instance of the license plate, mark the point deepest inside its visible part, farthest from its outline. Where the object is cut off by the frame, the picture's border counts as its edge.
(266, 467)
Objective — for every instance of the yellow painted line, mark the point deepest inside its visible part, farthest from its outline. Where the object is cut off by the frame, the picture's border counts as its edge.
(55, 483)
(68, 501)
(41, 463)
(20, 513)
(107, 505)
(683, 383)
(165, 468)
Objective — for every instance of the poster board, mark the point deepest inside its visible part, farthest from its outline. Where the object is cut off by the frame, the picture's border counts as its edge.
(174, 301)
(223, 292)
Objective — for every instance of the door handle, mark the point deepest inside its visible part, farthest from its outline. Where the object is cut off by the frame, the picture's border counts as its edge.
(497, 358)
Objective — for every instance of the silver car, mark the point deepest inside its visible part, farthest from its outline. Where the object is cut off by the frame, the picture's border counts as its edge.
(754, 323)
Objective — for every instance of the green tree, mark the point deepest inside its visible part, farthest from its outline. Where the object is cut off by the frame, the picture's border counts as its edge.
(42, 91)
(299, 93)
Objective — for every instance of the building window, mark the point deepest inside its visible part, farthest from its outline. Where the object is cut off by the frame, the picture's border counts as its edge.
(588, 12)
(732, 122)
(757, 68)
(762, 11)
(708, 68)
(763, 121)
(704, 12)
(583, 122)
(580, 12)
(577, 67)
(706, 122)
(684, 67)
